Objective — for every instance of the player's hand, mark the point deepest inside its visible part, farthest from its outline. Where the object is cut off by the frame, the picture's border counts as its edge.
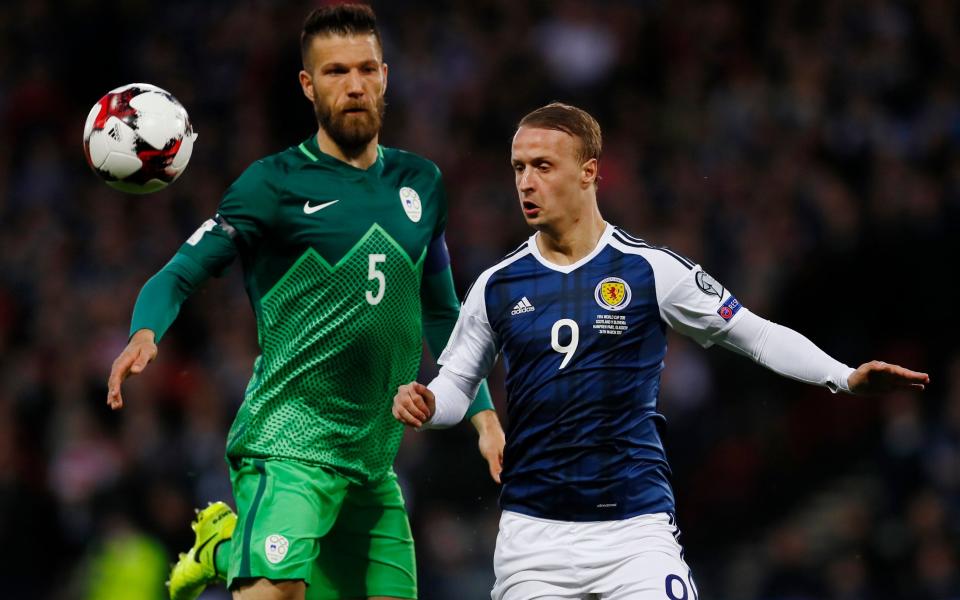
(132, 361)
(491, 441)
(414, 404)
(876, 377)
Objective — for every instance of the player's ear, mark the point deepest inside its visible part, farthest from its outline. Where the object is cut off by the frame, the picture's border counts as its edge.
(589, 172)
(385, 70)
(306, 83)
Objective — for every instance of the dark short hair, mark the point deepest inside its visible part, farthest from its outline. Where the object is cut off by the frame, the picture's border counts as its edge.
(571, 120)
(338, 19)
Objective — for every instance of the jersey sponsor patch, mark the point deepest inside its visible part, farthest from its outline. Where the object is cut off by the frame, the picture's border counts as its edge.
(729, 308)
(275, 548)
(612, 293)
(410, 200)
(708, 285)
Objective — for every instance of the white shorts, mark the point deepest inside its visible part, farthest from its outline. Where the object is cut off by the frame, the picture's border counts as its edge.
(637, 559)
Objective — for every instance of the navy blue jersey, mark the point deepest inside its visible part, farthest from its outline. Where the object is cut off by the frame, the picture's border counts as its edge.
(583, 346)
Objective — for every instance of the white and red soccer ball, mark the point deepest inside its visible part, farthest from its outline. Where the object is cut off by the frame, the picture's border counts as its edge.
(138, 138)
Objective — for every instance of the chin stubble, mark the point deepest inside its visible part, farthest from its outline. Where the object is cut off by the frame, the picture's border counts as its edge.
(351, 134)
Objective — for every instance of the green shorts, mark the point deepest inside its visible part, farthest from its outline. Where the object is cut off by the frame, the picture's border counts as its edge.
(300, 521)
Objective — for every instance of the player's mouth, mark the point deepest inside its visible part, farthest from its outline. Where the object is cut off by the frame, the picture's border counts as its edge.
(354, 110)
(530, 209)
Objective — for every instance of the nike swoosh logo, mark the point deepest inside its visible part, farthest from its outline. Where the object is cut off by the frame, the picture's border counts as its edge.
(312, 209)
(196, 555)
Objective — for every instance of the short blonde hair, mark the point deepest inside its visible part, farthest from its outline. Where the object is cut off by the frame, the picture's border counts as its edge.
(571, 120)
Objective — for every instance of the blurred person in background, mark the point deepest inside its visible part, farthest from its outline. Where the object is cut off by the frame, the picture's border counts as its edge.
(346, 265)
(588, 507)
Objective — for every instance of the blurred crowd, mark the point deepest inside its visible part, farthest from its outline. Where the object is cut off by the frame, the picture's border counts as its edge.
(806, 153)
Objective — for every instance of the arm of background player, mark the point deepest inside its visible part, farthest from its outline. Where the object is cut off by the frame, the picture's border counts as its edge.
(440, 311)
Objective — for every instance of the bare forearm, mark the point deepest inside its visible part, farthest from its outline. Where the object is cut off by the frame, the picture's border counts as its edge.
(485, 421)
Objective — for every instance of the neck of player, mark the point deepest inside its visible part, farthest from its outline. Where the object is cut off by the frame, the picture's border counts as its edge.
(567, 242)
(363, 160)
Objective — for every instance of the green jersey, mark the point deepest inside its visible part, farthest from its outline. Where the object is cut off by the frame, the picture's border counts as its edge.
(334, 261)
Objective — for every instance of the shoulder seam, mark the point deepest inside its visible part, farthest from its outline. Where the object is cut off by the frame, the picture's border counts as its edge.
(506, 260)
(417, 157)
(629, 236)
(514, 251)
(623, 239)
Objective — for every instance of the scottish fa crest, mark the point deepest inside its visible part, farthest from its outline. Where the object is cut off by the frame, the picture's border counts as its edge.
(612, 293)
(410, 200)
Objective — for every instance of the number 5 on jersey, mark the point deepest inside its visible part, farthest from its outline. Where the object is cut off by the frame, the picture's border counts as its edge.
(374, 274)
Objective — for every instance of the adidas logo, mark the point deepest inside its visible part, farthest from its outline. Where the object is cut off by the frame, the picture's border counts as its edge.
(522, 307)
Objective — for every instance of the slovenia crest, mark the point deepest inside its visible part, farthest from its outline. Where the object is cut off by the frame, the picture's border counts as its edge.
(275, 547)
(410, 200)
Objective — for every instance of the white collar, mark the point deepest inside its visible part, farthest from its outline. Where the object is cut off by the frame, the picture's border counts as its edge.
(601, 243)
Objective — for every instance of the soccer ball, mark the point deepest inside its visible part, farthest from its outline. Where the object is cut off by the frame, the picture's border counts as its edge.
(138, 138)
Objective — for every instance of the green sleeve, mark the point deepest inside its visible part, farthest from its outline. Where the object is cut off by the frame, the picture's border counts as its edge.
(159, 301)
(243, 215)
(440, 311)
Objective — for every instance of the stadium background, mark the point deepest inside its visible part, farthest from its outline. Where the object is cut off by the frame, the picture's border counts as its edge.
(807, 153)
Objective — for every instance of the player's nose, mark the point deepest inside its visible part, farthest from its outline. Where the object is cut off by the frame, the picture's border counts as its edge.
(525, 180)
(354, 83)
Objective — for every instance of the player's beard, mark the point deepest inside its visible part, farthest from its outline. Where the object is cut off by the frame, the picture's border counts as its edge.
(352, 132)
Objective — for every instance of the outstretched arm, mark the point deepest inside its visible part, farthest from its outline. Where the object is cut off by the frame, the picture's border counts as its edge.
(790, 354)
(876, 377)
(698, 306)
(155, 310)
(242, 216)
(208, 251)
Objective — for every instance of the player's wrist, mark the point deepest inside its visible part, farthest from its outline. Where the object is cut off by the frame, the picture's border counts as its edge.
(845, 383)
(485, 421)
(144, 335)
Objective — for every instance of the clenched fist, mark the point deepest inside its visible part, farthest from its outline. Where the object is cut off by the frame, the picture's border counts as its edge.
(414, 404)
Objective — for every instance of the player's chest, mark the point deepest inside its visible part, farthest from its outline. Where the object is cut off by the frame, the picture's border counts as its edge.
(334, 216)
(560, 312)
